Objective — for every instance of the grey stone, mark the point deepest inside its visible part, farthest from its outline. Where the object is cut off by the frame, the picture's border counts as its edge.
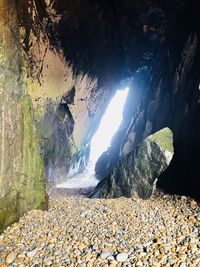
(106, 254)
(172, 261)
(32, 253)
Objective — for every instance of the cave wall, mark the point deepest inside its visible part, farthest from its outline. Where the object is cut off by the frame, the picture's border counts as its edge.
(65, 108)
(47, 109)
(22, 168)
(165, 93)
(93, 46)
(152, 45)
(55, 85)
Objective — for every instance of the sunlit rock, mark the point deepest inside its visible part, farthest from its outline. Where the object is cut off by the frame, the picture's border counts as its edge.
(136, 174)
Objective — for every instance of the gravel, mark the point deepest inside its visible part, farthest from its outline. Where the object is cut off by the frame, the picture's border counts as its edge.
(77, 231)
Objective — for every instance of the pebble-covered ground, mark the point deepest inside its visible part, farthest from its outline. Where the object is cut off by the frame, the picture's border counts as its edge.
(77, 231)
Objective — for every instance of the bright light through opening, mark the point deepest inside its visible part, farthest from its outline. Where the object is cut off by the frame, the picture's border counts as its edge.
(109, 124)
(100, 142)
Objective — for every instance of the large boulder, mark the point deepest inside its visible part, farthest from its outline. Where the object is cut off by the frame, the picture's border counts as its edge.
(136, 174)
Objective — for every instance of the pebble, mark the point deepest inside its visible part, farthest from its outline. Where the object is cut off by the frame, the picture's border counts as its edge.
(10, 257)
(32, 253)
(182, 256)
(106, 254)
(139, 264)
(197, 260)
(81, 246)
(110, 258)
(121, 257)
(172, 261)
(77, 231)
(21, 256)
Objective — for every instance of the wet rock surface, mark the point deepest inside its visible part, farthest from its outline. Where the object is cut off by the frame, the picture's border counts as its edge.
(77, 231)
(22, 167)
(136, 174)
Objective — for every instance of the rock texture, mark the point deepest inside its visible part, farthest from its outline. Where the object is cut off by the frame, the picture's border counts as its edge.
(21, 165)
(165, 93)
(137, 173)
(54, 84)
(126, 41)
(76, 231)
(48, 110)
(75, 53)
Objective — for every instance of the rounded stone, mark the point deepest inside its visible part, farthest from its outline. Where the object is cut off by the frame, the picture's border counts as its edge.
(10, 257)
(105, 254)
(82, 246)
(121, 257)
(139, 264)
(197, 259)
(161, 234)
(32, 253)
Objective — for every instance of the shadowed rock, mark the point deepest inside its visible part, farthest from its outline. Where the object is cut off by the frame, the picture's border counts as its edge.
(136, 174)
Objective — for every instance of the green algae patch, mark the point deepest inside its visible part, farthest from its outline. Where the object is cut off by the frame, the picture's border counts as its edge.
(23, 187)
(164, 138)
(32, 164)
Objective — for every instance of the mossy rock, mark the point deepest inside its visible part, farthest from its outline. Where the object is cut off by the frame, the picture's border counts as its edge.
(136, 174)
(23, 187)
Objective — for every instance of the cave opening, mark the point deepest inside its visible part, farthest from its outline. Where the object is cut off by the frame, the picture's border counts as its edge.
(109, 125)
(100, 142)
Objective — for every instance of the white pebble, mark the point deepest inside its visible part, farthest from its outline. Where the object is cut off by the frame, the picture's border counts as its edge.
(121, 257)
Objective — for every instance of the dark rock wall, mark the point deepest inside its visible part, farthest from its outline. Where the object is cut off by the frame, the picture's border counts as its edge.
(168, 95)
(103, 37)
(153, 46)
(55, 128)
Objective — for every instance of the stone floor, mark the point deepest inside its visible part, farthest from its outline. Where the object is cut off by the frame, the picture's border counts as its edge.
(77, 231)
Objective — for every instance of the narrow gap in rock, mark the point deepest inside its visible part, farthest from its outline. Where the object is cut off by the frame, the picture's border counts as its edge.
(100, 142)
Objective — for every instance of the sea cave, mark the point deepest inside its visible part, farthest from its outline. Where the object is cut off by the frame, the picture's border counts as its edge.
(99, 133)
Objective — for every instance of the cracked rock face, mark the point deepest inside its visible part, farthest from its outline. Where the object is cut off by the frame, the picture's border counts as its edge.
(136, 174)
